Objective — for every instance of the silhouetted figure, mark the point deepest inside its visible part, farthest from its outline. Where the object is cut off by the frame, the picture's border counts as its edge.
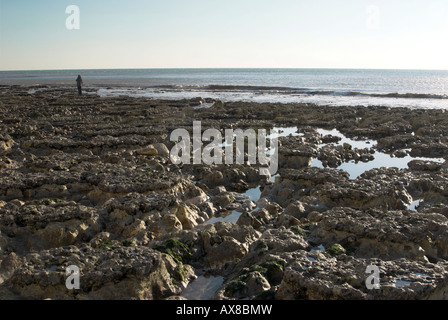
(79, 83)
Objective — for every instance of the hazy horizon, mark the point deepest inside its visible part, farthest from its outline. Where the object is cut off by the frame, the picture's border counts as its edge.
(224, 68)
(198, 34)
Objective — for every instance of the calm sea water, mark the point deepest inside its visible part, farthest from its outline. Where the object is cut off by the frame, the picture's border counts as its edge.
(411, 88)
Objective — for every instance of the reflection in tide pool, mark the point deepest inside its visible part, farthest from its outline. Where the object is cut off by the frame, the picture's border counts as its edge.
(279, 132)
(203, 288)
(355, 169)
(415, 204)
(402, 283)
(232, 217)
(356, 144)
(251, 194)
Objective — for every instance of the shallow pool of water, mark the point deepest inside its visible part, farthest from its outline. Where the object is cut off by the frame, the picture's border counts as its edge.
(318, 248)
(203, 288)
(415, 204)
(402, 283)
(278, 132)
(356, 144)
(355, 169)
(418, 274)
(233, 216)
(253, 194)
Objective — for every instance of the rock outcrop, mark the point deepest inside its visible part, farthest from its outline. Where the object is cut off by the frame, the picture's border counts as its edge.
(88, 182)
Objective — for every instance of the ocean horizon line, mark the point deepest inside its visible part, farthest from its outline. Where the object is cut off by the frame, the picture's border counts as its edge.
(226, 68)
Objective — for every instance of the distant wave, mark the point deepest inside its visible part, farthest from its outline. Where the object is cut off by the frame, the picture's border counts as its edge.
(381, 95)
(288, 91)
(238, 88)
(411, 95)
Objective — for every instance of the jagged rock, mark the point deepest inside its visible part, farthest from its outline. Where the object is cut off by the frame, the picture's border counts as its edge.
(330, 139)
(167, 224)
(419, 165)
(400, 153)
(6, 142)
(105, 274)
(248, 219)
(333, 156)
(345, 278)
(374, 233)
(220, 243)
(162, 149)
(296, 209)
(36, 227)
(134, 229)
(296, 158)
(224, 199)
(188, 216)
(9, 265)
(285, 220)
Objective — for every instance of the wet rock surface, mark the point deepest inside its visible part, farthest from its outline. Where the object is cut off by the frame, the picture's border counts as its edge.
(88, 182)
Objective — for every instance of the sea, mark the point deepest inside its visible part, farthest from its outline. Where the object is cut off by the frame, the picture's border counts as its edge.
(335, 87)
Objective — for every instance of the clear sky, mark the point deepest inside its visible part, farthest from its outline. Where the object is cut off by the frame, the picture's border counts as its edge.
(393, 34)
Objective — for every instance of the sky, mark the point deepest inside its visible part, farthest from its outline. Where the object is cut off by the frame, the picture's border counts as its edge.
(372, 34)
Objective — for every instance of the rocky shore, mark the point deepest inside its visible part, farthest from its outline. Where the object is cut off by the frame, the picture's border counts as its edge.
(87, 181)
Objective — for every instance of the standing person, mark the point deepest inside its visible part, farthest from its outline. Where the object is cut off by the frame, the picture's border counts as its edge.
(79, 83)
